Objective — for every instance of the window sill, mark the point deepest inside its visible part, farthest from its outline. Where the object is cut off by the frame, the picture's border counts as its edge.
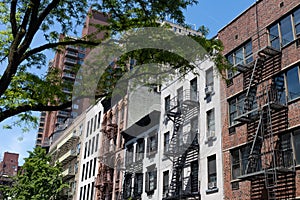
(212, 190)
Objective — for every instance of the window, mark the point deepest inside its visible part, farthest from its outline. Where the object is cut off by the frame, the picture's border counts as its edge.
(86, 170)
(297, 21)
(85, 150)
(76, 167)
(82, 175)
(283, 32)
(150, 181)
(209, 78)
(97, 140)
(286, 30)
(194, 176)
(87, 131)
(152, 144)
(89, 148)
(236, 108)
(286, 150)
(91, 129)
(239, 161)
(242, 55)
(138, 184)
(210, 116)
(88, 192)
(127, 186)
(293, 83)
(95, 124)
(92, 191)
(91, 168)
(193, 136)
(165, 183)
(93, 144)
(212, 172)
(94, 170)
(166, 141)
(167, 103)
(297, 146)
(139, 150)
(194, 89)
(99, 119)
(78, 148)
(129, 155)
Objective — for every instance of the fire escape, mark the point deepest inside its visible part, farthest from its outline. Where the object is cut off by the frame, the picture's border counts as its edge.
(183, 147)
(104, 179)
(270, 169)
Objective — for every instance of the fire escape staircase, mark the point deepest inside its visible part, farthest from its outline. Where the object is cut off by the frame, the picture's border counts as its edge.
(264, 145)
(179, 152)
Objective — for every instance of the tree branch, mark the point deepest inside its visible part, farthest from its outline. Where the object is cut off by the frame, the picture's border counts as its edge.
(13, 22)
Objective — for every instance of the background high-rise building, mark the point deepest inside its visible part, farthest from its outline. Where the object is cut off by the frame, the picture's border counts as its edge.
(66, 60)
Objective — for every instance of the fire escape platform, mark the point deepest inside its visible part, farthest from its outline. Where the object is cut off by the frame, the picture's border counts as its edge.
(258, 174)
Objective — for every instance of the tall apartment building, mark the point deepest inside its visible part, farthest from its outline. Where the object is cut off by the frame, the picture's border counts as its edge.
(91, 144)
(65, 61)
(65, 148)
(260, 110)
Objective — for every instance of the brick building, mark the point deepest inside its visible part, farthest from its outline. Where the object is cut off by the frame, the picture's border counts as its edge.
(260, 122)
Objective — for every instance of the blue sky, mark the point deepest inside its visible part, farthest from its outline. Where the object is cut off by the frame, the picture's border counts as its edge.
(214, 14)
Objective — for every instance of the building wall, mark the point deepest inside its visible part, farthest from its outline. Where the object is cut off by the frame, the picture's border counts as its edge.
(9, 164)
(90, 145)
(68, 141)
(208, 146)
(253, 25)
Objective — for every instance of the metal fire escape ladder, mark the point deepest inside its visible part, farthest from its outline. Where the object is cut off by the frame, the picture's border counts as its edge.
(271, 173)
(254, 154)
(180, 154)
(250, 94)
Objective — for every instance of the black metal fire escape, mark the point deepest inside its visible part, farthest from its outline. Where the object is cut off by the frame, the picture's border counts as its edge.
(182, 151)
(262, 102)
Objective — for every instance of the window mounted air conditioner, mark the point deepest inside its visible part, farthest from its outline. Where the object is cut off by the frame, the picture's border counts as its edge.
(212, 185)
(208, 89)
(210, 134)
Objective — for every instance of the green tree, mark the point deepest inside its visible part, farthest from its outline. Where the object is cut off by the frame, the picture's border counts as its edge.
(22, 90)
(38, 180)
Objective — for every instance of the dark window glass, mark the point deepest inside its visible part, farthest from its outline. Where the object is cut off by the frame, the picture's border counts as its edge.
(165, 183)
(293, 83)
(297, 21)
(274, 37)
(140, 150)
(297, 146)
(286, 30)
(212, 172)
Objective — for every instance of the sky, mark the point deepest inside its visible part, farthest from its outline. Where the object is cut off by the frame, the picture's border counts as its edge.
(213, 14)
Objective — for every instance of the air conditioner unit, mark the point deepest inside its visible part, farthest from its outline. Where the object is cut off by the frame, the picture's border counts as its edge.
(212, 185)
(210, 134)
(208, 89)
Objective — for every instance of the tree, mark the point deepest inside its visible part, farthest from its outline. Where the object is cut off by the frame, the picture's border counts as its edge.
(21, 89)
(38, 179)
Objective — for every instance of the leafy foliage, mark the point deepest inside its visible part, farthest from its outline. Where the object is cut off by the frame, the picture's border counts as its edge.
(23, 91)
(38, 180)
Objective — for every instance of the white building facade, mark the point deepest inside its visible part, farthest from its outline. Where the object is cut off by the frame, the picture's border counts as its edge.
(90, 141)
(190, 136)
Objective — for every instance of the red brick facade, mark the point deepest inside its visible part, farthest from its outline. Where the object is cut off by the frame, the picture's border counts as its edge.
(252, 25)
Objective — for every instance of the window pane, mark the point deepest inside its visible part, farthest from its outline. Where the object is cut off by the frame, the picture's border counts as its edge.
(293, 83)
(286, 30)
(248, 52)
(209, 77)
(297, 21)
(274, 37)
(297, 146)
(239, 56)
